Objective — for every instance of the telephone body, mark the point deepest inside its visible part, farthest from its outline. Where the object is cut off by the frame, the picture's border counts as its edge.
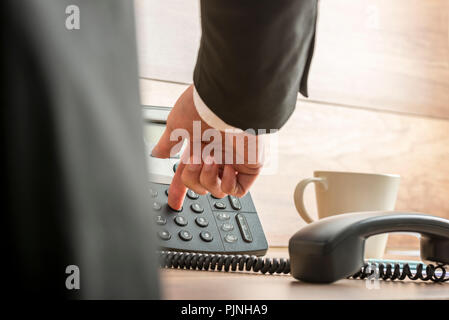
(226, 234)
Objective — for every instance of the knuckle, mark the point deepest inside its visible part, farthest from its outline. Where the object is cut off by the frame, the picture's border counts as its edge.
(205, 180)
(197, 188)
(239, 193)
(218, 195)
(201, 191)
(193, 185)
(226, 189)
(254, 169)
(185, 180)
(193, 168)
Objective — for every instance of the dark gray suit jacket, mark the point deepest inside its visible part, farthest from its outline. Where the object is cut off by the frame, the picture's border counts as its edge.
(254, 57)
(74, 164)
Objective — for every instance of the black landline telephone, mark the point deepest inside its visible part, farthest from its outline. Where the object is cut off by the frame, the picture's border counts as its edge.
(226, 234)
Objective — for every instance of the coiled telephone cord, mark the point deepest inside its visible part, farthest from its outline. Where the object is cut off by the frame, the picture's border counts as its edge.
(395, 272)
(219, 262)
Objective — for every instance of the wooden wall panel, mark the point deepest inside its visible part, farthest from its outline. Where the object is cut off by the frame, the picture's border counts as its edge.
(168, 34)
(327, 137)
(381, 54)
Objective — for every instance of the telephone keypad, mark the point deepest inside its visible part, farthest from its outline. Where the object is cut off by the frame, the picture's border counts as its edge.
(207, 224)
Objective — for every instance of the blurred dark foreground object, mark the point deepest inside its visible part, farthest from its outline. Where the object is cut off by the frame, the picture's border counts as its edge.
(73, 171)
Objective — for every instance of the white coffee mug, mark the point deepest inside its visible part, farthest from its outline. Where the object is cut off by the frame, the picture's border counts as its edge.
(344, 192)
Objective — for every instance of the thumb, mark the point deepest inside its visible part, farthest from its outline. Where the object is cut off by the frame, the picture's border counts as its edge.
(167, 147)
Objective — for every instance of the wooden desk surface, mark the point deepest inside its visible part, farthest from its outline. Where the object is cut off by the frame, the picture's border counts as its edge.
(212, 285)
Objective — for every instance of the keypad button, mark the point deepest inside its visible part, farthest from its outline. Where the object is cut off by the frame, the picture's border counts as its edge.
(220, 205)
(227, 227)
(164, 235)
(153, 193)
(175, 166)
(230, 238)
(181, 221)
(166, 192)
(160, 220)
(192, 194)
(206, 236)
(196, 207)
(174, 209)
(235, 202)
(244, 228)
(185, 235)
(223, 216)
(202, 222)
(157, 206)
(214, 196)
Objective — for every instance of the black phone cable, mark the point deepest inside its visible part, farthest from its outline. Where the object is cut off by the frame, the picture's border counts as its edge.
(219, 262)
(396, 272)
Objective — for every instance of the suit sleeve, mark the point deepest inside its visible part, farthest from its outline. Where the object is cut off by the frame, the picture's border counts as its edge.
(253, 59)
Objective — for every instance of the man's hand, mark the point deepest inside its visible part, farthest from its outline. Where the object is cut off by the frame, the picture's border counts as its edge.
(207, 172)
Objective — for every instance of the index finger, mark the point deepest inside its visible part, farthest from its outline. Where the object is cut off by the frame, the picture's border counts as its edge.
(237, 183)
(177, 190)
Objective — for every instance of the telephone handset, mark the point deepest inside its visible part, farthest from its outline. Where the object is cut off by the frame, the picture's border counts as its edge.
(226, 234)
(332, 248)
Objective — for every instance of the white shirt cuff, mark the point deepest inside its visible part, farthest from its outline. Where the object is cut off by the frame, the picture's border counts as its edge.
(209, 116)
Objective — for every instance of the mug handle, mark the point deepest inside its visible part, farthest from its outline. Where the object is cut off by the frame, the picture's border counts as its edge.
(298, 196)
